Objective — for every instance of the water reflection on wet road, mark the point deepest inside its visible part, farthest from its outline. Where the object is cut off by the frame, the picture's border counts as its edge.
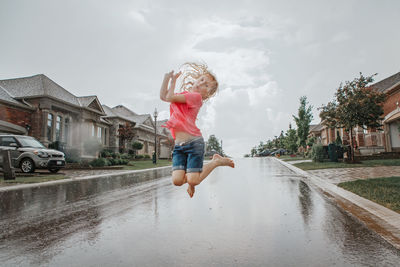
(258, 214)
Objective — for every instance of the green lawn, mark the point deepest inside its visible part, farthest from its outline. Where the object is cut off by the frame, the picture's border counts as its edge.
(31, 179)
(289, 158)
(326, 165)
(146, 164)
(384, 191)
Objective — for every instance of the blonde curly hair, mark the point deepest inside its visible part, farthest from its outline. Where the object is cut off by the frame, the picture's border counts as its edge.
(192, 71)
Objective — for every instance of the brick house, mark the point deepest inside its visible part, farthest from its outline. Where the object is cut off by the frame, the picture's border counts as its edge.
(372, 141)
(143, 126)
(39, 107)
(391, 121)
(15, 115)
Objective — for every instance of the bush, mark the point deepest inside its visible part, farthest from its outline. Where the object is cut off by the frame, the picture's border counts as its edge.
(100, 162)
(72, 155)
(123, 161)
(116, 155)
(57, 145)
(105, 153)
(125, 156)
(137, 145)
(146, 156)
(317, 153)
(139, 157)
(114, 162)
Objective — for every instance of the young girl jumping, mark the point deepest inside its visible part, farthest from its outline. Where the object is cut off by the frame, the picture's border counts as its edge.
(198, 85)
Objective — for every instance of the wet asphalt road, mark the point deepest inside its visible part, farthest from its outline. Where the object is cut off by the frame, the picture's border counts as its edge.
(258, 214)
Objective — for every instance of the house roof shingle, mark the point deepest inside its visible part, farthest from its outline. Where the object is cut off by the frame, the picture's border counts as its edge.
(40, 85)
(37, 85)
(316, 127)
(386, 84)
(85, 101)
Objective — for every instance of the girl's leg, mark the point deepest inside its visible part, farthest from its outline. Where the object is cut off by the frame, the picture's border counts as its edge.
(179, 177)
(196, 178)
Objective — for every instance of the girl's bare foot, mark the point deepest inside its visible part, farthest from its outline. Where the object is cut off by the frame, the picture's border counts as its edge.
(223, 161)
(190, 190)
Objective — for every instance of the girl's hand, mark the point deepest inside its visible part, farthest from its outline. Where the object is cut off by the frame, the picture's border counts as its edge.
(175, 77)
(169, 75)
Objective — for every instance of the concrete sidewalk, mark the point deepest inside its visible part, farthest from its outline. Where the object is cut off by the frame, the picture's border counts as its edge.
(382, 220)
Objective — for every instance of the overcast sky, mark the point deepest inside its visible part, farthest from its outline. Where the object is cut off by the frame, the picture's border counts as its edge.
(266, 54)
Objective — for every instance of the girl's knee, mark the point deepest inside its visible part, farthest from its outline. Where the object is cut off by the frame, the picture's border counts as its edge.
(178, 178)
(178, 181)
(193, 178)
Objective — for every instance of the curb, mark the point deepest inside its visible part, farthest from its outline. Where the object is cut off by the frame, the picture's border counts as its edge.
(380, 219)
(139, 175)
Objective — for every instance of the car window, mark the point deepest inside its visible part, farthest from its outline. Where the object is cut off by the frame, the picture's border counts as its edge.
(7, 140)
(30, 142)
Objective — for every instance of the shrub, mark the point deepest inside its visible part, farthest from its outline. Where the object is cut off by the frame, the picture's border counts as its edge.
(139, 157)
(116, 155)
(123, 161)
(105, 153)
(57, 145)
(137, 145)
(125, 156)
(72, 155)
(114, 162)
(100, 162)
(317, 153)
(146, 156)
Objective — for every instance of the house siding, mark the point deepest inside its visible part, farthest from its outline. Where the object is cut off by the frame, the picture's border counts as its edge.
(15, 115)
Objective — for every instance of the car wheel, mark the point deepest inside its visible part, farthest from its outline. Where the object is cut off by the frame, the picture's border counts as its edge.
(54, 170)
(27, 165)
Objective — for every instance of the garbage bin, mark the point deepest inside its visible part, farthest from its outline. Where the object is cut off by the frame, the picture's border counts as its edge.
(332, 152)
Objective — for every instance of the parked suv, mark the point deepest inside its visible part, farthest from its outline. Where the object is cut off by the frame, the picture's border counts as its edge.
(29, 154)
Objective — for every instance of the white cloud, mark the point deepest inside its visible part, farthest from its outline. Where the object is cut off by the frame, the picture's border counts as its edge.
(266, 54)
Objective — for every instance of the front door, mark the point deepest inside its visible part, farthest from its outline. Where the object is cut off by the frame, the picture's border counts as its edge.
(395, 134)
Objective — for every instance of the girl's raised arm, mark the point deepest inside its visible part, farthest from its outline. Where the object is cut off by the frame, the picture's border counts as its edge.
(170, 96)
(164, 85)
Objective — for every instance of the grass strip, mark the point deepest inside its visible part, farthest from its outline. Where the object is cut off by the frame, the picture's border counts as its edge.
(31, 179)
(147, 164)
(306, 166)
(384, 191)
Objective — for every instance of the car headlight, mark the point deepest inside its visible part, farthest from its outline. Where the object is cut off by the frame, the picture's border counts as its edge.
(41, 154)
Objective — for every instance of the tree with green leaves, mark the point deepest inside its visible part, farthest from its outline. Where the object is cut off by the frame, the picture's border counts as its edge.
(291, 139)
(253, 151)
(354, 105)
(214, 144)
(303, 120)
(260, 147)
(136, 146)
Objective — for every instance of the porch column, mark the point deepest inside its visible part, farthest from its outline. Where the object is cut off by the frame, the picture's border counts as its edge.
(388, 142)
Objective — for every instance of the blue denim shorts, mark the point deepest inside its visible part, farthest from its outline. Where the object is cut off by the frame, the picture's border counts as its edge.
(189, 156)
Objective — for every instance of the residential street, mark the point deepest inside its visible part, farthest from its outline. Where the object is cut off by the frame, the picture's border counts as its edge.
(258, 214)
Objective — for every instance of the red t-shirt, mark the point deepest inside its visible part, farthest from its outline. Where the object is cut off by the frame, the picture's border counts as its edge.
(183, 115)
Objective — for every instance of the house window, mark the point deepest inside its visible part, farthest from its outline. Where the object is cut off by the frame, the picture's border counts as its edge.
(66, 130)
(365, 129)
(105, 136)
(92, 130)
(99, 132)
(50, 127)
(58, 128)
